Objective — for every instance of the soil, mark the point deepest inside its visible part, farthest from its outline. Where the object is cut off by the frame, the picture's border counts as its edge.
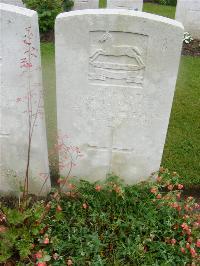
(192, 49)
(47, 36)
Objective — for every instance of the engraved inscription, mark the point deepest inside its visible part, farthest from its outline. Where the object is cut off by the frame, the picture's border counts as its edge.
(4, 134)
(116, 58)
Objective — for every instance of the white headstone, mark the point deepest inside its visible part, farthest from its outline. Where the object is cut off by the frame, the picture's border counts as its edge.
(13, 2)
(116, 75)
(85, 4)
(21, 100)
(125, 4)
(188, 12)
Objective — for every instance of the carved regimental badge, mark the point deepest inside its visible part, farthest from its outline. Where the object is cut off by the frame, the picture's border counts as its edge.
(115, 63)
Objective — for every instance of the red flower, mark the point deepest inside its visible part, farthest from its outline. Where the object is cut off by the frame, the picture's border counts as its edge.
(98, 188)
(180, 186)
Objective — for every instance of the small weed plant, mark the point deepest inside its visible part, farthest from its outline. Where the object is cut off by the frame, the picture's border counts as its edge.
(108, 223)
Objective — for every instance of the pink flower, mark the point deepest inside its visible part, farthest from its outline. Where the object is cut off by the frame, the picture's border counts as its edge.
(175, 205)
(159, 196)
(187, 245)
(170, 187)
(185, 226)
(159, 178)
(180, 186)
(41, 263)
(154, 190)
(69, 262)
(198, 243)
(173, 241)
(85, 206)
(193, 252)
(98, 188)
(58, 209)
(39, 255)
(46, 241)
(2, 229)
(55, 256)
(117, 189)
(182, 250)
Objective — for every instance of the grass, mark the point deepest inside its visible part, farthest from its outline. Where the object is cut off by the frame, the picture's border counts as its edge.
(166, 11)
(49, 81)
(182, 148)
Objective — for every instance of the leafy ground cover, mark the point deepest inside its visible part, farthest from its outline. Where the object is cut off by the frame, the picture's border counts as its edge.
(182, 147)
(105, 224)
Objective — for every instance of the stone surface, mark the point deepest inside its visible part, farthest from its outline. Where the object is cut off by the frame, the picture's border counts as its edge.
(85, 4)
(21, 96)
(126, 4)
(13, 2)
(188, 12)
(116, 75)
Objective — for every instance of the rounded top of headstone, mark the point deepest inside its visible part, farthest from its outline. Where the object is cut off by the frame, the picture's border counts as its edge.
(18, 10)
(122, 12)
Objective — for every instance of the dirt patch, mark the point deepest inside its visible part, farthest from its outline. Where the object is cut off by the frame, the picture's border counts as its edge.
(192, 49)
(47, 36)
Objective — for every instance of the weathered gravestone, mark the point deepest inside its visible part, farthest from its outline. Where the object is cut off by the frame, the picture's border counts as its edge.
(126, 4)
(13, 2)
(85, 4)
(116, 75)
(188, 12)
(21, 110)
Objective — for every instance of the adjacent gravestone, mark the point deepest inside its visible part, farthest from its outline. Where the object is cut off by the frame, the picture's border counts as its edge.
(85, 4)
(116, 75)
(13, 2)
(21, 110)
(188, 12)
(125, 4)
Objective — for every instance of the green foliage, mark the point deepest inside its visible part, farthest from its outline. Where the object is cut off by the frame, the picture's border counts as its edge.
(47, 12)
(20, 230)
(107, 224)
(68, 4)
